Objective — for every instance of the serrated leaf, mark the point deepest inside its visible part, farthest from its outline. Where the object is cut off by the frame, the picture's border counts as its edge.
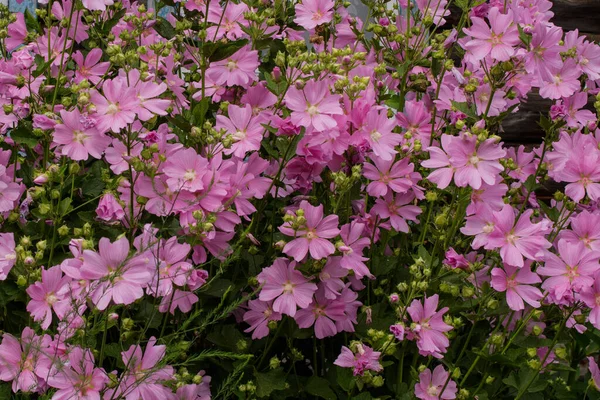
(268, 382)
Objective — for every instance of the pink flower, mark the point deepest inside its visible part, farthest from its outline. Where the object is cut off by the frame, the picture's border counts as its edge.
(144, 374)
(8, 257)
(428, 326)
(313, 106)
(387, 174)
(79, 140)
(398, 331)
(109, 209)
(416, 120)
(290, 289)
(595, 371)
(398, 209)
(430, 386)
(499, 41)
(312, 236)
(322, 313)
(572, 271)
(245, 130)
(238, 69)
(585, 228)
(228, 22)
(117, 107)
(118, 278)
(474, 164)
(583, 171)
(517, 240)
(311, 13)
(353, 243)
(26, 363)
(258, 316)
(49, 294)
(591, 296)
(436, 9)
(185, 170)
(516, 282)
(563, 82)
(454, 260)
(79, 379)
(97, 4)
(364, 359)
(90, 68)
(377, 131)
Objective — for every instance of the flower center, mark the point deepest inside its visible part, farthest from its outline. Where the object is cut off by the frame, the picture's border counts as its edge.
(433, 390)
(375, 136)
(231, 65)
(112, 109)
(312, 110)
(288, 287)
(189, 175)
(79, 136)
(311, 234)
(51, 298)
(474, 160)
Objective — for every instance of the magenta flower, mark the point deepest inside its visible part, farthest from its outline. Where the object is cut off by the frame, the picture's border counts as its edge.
(498, 41)
(311, 13)
(119, 279)
(572, 271)
(258, 316)
(287, 286)
(79, 379)
(313, 106)
(364, 359)
(245, 130)
(435, 386)
(8, 257)
(78, 140)
(428, 326)
(517, 240)
(49, 294)
(312, 237)
(517, 283)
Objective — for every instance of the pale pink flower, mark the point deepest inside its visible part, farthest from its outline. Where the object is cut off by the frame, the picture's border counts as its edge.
(287, 286)
(377, 131)
(563, 82)
(90, 68)
(585, 228)
(51, 293)
(79, 379)
(583, 171)
(311, 13)
(517, 283)
(119, 278)
(591, 297)
(77, 139)
(322, 313)
(388, 174)
(473, 163)
(8, 257)
(364, 359)
(313, 106)
(245, 130)
(238, 69)
(498, 41)
(398, 209)
(185, 170)
(109, 209)
(435, 386)
(428, 326)
(258, 316)
(97, 4)
(228, 22)
(117, 108)
(312, 237)
(354, 242)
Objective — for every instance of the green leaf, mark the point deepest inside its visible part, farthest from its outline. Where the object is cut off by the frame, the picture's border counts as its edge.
(268, 382)
(224, 51)
(345, 378)
(217, 288)
(320, 387)
(93, 185)
(530, 184)
(164, 28)
(23, 134)
(465, 109)
(200, 110)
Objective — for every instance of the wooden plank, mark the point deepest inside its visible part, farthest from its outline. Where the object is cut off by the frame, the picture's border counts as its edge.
(29, 5)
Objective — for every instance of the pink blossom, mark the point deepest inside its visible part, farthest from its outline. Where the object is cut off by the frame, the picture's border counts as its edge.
(377, 131)
(322, 313)
(312, 236)
(245, 130)
(97, 4)
(287, 286)
(499, 41)
(313, 106)
(583, 171)
(77, 139)
(585, 228)
(591, 296)
(80, 379)
(354, 242)
(572, 271)
(228, 22)
(435, 386)
(90, 68)
(49, 294)
(258, 316)
(186, 170)
(517, 240)
(109, 209)
(428, 326)
(388, 174)
(119, 279)
(595, 371)
(517, 283)
(117, 108)
(563, 82)
(8, 257)
(237, 69)
(398, 209)
(311, 13)
(364, 359)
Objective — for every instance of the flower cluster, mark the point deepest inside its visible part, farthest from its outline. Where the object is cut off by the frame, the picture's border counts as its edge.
(252, 199)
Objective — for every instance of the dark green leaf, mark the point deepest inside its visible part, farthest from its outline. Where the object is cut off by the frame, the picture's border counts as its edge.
(227, 50)
(164, 28)
(270, 381)
(23, 134)
(320, 387)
